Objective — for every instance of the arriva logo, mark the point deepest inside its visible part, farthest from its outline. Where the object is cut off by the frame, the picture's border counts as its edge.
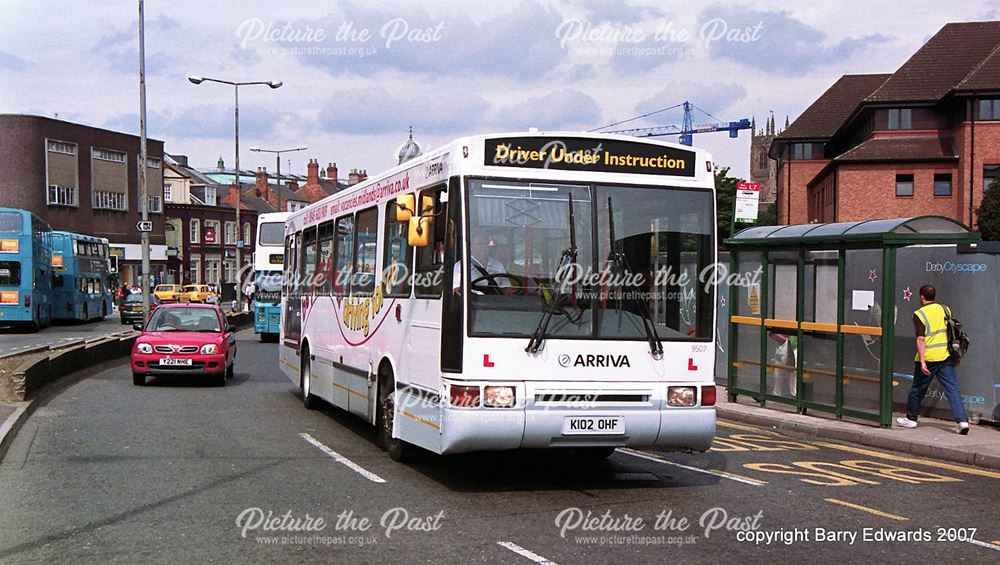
(949, 267)
(594, 361)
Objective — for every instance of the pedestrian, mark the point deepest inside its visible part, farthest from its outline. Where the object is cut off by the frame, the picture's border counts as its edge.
(933, 360)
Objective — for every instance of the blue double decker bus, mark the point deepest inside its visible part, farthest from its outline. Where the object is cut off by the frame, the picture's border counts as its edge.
(81, 277)
(25, 270)
(268, 264)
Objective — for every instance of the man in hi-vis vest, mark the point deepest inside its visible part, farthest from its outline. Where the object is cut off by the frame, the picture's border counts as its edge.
(933, 360)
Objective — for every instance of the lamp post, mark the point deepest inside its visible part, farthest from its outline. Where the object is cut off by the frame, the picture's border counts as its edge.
(277, 159)
(236, 118)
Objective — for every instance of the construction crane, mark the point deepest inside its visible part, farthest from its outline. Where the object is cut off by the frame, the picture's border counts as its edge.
(687, 128)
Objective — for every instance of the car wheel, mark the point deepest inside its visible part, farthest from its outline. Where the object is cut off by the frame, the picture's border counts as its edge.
(308, 400)
(138, 379)
(397, 449)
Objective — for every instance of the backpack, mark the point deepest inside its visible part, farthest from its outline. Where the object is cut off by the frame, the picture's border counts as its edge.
(958, 340)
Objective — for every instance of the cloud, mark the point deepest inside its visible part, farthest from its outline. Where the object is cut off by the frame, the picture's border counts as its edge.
(563, 109)
(363, 40)
(118, 48)
(11, 62)
(616, 11)
(376, 110)
(203, 122)
(772, 40)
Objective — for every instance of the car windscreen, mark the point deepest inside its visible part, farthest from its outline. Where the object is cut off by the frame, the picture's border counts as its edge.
(183, 320)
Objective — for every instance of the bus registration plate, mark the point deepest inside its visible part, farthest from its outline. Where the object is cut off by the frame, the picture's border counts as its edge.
(596, 425)
(174, 362)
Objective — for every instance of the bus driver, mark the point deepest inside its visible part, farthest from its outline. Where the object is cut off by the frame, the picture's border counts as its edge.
(484, 263)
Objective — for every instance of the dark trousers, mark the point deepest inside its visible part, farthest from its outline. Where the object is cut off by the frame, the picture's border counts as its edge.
(945, 373)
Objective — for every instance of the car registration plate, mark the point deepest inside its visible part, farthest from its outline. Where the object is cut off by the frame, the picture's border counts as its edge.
(174, 362)
(595, 425)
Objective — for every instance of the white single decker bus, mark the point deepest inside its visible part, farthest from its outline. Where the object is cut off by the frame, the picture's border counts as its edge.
(268, 265)
(520, 290)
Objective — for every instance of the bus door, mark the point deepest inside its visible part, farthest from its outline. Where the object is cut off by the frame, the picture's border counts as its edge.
(422, 349)
(292, 321)
(361, 310)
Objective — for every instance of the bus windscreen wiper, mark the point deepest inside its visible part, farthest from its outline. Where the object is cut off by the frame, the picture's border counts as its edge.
(618, 259)
(567, 258)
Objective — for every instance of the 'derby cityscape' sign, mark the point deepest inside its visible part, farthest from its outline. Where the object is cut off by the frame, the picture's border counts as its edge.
(584, 154)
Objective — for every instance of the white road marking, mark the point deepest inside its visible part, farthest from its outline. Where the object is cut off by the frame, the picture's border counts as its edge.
(714, 472)
(525, 553)
(343, 460)
(984, 544)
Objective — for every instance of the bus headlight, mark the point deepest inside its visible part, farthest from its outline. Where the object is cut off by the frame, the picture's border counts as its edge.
(680, 396)
(209, 349)
(144, 348)
(499, 397)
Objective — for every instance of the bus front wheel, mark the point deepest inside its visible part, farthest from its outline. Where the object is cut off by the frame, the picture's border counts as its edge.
(308, 400)
(397, 449)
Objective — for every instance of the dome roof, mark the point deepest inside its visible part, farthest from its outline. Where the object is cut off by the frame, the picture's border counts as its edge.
(409, 150)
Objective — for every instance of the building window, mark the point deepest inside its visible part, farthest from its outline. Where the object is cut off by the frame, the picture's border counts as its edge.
(155, 205)
(212, 231)
(108, 155)
(152, 162)
(246, 232)
(62, 147)
(62, 196)
(210, 196)
(990, 174)
(168, 192)
(195, 231)
(942, 184)
(194, 270)
(211, 271)
(230, 270)
(904, 185)
(989, 109)
(230, 233)
(900, 118)
(107, 200)
(802, 150)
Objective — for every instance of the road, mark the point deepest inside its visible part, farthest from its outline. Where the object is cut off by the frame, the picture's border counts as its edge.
(15, 340)
(179, 472)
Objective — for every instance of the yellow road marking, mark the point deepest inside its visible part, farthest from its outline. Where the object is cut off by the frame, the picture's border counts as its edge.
(736, 426)
(900, 458)
(866, 509)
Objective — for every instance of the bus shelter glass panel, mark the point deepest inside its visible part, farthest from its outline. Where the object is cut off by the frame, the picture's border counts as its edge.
(747, 303)
(782, 333)
(819, 339)
(862, 329)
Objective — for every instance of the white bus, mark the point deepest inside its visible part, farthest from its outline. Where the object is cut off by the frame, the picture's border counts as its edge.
(546, 294)
(268, 261)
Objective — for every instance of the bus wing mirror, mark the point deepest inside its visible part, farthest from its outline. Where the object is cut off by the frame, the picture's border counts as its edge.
(405, 206)
(427, 205)
(420, 231)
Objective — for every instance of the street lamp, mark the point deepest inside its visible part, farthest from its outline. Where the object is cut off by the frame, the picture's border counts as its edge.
(236, 115)
(277, 158)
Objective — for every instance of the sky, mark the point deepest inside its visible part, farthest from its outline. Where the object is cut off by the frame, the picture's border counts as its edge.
(357, 75)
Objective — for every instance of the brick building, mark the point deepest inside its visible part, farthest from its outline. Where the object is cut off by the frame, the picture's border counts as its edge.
(922, 140)
(84, 179)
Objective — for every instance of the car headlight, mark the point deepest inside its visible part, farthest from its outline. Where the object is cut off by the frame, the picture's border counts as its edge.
(209, 349)
(144, 348)
(680, 396)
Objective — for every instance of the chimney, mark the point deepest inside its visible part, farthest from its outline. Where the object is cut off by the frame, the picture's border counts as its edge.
(263, 190)
(291, 185)
(331, 172)
(181, 160)
(354, 177)
(363, 175)
(312, 177)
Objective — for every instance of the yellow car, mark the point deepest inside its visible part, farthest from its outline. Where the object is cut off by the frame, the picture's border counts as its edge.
(169, 293)
(200, 293)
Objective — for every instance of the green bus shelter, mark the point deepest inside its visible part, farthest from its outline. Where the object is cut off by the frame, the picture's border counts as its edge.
(813, 312)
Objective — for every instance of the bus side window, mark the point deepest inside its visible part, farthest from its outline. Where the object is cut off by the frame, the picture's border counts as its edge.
(309, 260)
(397, 257)
(365, 247)
(342, 255)
(430, 258)
(324, 273)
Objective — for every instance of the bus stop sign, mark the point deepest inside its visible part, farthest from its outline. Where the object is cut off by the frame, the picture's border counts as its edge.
(144, 226)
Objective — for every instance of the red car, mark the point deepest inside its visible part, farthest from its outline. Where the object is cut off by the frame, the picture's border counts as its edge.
(185, 339)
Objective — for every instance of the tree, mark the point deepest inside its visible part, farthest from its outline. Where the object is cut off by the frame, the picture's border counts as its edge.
(989, 213)
(725, 197)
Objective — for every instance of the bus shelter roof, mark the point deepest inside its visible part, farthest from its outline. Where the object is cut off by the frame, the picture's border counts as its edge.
(895, 232)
